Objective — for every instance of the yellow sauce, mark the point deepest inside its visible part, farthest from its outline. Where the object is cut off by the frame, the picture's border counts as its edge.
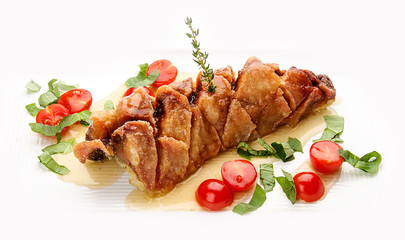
(99, 174)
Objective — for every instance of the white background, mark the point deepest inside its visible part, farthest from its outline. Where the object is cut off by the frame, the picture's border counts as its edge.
(98, 44)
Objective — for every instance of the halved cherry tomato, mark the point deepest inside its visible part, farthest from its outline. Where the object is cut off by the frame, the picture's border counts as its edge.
(52, 115)
(76, 100)
(239, 175)
(167, 71)
(325, 156)
(131, 90)
(309, 186)
(214, 195)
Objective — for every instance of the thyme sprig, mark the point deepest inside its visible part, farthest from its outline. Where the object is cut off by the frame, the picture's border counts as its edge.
(201, 57)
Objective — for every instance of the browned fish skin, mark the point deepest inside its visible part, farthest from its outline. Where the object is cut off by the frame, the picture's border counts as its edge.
(162, 142)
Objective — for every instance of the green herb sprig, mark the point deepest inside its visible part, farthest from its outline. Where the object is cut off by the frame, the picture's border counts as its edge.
(207, 74)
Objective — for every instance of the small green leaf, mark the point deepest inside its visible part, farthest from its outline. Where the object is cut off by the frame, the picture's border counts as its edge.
(295, 144)
(287, 184)
(257, 200)
(267, 176)
(32, 86)
(63, 147)
(47, 99)
(141, 79)
(283, 151)
(32, 109)
(46, 159)
(249, 152)
(369, 163)
(334, 128)
(108, 105)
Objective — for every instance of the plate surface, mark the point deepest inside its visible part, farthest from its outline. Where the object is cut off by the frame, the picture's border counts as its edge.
(99, 45)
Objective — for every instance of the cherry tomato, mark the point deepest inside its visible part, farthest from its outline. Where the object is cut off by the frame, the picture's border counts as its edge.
(76, 100)
(52, 115)
(325, 156)
(131, 90)
(167, 71)
(213, 195)
(309, 186)
(239, 175)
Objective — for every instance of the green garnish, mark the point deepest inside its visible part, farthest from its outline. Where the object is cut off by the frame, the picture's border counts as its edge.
(257, 200)
(201, 58)
(287, 184)
(46, 159)
(33, 86)
(32, 109)
(108, 105)
(141, 79)
(334, 128)
(281, 150)
(65, 122)
(61, 147)
(267, 176)
(369, 163)
(55, 89)
(249, 152)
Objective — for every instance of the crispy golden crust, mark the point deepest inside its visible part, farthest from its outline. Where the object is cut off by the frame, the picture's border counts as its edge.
(163, 142)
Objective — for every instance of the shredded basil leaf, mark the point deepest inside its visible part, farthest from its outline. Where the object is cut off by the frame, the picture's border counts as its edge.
(32, 109)
(141, 79)
(55, 89)
(281, 150)
(334, 128)
(65, 122)
(265, 145)
(249, 152)
(63, 147)
(108, 105)
(257, 200)
(369, 163)
(267, 176)
(46, 159)
(33, 86)
(47, 99)
(287, 184)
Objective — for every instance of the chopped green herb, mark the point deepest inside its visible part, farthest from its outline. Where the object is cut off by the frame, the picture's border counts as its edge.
(46, 159)
(249, 152)
(141, 79)
(257, 200)
(65, 122)
(55, 89)
(47, 99)
(334, 128)
(369, 163)
(108, 105)
(281, 150)
(287, 184)
(267, 176)
(32, 109)
(61, 147)
(33, 86)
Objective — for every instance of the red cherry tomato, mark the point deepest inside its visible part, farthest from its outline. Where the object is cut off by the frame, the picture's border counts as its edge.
(167, 71)
(325, 156)
(131, 90)
(309, 186)
(239, 175)
(76, 100)
(214, 195)
(52, 115)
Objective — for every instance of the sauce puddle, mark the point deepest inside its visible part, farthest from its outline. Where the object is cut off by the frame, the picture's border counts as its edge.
(100, 174)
